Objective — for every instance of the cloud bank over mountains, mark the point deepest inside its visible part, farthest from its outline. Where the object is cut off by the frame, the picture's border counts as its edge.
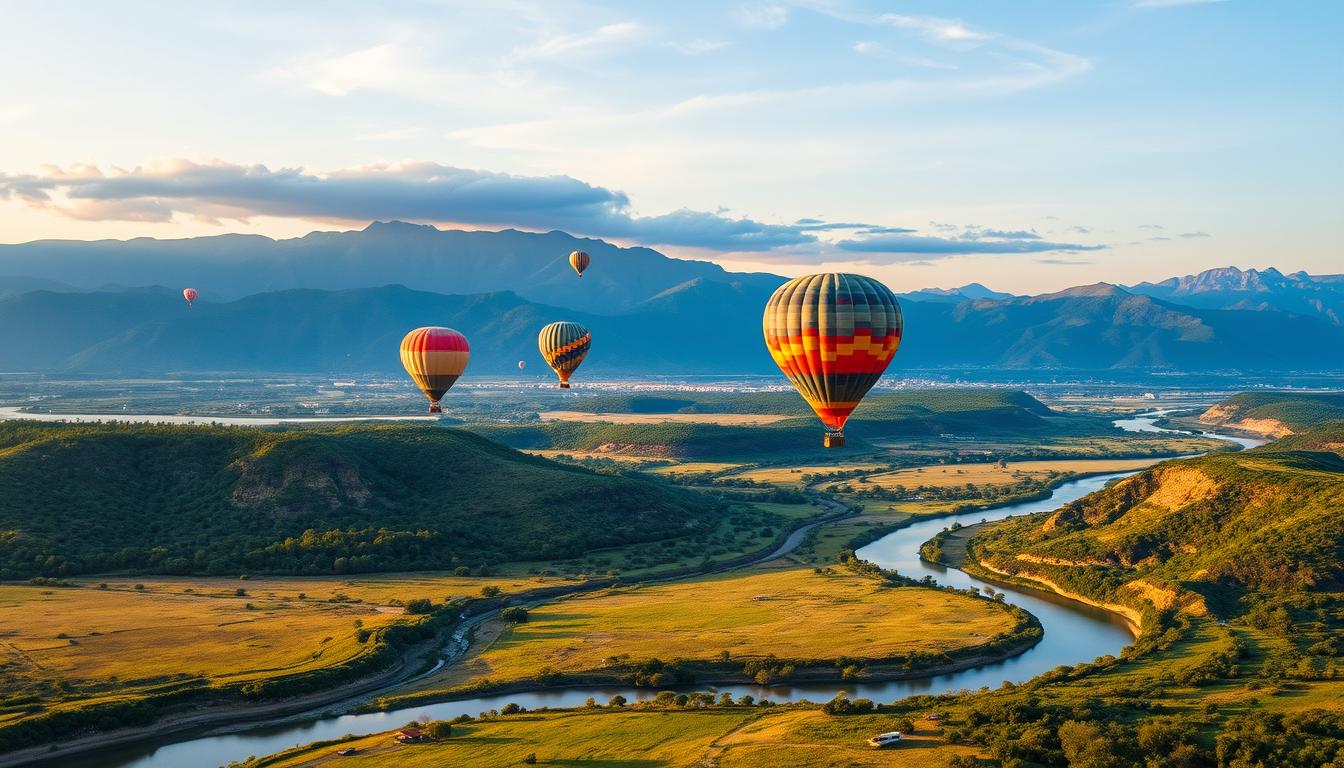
(431, 192)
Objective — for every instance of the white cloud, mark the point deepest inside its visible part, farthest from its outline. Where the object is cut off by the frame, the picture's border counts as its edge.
(765, 16)
(935, 28)
(698, 46)
(602, 39)
(879, 51)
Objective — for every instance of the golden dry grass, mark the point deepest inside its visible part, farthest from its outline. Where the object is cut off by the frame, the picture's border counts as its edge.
(735, 737)
(792, 475)
(811, 737)
(611, 738)
(942, 476)
(88, 636)
(376, 589)
(752, 615)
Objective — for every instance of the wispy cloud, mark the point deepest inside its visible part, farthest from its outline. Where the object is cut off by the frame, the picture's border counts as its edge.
(1192, 235)
(935, 28)
(880, 51)
(604, 38)
(698, 47)
(769, 16)
(896, 246)
(1066, 262)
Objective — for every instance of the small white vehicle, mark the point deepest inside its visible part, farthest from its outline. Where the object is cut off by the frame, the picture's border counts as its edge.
(883, 740)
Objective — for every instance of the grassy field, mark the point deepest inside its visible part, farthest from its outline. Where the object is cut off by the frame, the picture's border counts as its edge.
(609, 738)
(728, 419)
(69, 646)
(754, 615)
(378, 589)
(730, 737)
(946, 475)
(790, 476)
(694, 468)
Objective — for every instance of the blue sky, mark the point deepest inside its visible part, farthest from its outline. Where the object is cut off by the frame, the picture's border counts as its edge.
(1026, 145)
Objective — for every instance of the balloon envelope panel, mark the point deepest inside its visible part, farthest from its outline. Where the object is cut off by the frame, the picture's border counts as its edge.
(564, 345)
(434, 357)
(579, 261)
(832, 335)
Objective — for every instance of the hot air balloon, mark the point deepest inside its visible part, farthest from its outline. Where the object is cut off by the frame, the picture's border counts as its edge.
(190, 295)
(564, 345)
(434, 357)
(522, 364)
(579, 261)
(832, 335)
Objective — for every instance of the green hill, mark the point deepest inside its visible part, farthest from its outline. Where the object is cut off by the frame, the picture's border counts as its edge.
(1276, 413)
(882, 415)
(167, 499)
(1221, 531)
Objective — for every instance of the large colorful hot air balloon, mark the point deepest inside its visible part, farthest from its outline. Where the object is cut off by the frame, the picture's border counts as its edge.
(579, 261)
(564, 345)
(833, 335)
(434, 357)
(190, 295)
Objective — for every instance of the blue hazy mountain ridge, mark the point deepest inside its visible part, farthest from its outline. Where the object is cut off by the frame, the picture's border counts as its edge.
(534, 265)
(698, 327)
(339, 301)
(1319, 296)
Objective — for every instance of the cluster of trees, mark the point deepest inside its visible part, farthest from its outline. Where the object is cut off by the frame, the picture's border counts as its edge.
(216, 500)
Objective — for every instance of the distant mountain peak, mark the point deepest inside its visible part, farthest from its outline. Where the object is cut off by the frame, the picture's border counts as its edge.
(1093, 290)
(1253, 290)
(399, 227)
(972, 291)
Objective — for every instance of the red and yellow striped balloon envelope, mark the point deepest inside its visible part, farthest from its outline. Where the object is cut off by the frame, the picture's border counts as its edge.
(833, 335)
(434, 357)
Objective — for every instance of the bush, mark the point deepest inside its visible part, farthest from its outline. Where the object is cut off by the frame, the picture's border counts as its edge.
(419, 605)
(516, 614)
(439, 729)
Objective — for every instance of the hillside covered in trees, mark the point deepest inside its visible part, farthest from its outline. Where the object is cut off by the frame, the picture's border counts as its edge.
(1276, 413)
(1229, 533)
(215, 500)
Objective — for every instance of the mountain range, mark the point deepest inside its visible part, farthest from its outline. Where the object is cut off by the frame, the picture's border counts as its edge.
(339, 302)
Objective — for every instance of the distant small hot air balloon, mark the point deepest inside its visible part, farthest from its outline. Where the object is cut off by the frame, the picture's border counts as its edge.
(833, 335)
(563, 346)
(579, 261)
(434, 357)
(190, 295)
(522, 364)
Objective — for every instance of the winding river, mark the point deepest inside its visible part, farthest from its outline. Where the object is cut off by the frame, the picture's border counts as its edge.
(1074, 633)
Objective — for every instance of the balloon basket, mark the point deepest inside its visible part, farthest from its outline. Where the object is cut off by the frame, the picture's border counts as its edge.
(434, 408)
(564, 385)
(833, 439)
